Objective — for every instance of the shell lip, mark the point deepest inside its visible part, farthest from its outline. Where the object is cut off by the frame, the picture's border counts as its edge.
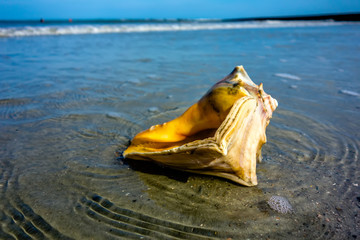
(231, 176)
(218, 142)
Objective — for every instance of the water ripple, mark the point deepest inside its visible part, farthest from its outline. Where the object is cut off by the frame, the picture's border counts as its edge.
(128, 223)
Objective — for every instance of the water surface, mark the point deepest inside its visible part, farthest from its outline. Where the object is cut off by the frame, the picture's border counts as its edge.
(70, 103)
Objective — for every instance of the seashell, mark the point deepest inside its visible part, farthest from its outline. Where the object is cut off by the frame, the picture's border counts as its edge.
(280, 204)
(220, 135)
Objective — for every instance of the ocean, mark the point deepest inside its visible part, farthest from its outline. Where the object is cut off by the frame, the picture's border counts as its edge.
(72, 96)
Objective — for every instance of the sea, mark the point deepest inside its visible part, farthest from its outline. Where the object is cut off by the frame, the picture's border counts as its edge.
(74, 94)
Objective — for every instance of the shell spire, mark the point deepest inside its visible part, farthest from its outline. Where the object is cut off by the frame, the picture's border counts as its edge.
(220, 135)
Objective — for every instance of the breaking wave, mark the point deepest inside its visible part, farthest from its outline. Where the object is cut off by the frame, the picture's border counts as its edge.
(36, 30)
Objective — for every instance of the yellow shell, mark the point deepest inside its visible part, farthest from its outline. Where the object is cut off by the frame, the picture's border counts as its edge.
(221, 135)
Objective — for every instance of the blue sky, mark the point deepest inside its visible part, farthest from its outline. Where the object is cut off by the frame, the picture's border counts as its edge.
(85, 9)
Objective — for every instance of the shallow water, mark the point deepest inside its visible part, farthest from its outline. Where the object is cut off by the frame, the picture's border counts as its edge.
(70, 104)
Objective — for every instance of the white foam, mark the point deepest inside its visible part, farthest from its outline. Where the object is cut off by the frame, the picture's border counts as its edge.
(288, 76)
(153, 109)
(152, 27)
(351, 93)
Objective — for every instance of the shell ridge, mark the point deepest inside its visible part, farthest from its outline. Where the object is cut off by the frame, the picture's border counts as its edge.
(226, 128)
(244, 136)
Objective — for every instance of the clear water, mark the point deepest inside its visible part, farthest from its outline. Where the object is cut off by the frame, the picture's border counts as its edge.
(70, 103)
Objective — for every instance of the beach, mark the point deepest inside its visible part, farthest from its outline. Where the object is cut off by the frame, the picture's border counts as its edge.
(72, 96)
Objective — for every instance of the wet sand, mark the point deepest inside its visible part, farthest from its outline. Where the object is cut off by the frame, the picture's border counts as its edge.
(66, 115)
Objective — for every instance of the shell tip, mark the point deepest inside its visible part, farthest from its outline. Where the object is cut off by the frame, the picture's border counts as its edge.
(261, 86)
(239, 68)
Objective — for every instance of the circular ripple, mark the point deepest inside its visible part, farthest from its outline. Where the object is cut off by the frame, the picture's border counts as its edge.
(19, 109)
(310, 162)
(317, 163)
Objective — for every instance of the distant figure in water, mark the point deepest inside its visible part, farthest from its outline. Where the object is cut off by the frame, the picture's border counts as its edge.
(42, 20)
(70, 20)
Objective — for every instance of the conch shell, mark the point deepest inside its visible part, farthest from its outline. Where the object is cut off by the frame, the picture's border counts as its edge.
(221, 135)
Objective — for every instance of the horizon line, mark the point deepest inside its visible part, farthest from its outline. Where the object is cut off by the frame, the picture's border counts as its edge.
(351, 16)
